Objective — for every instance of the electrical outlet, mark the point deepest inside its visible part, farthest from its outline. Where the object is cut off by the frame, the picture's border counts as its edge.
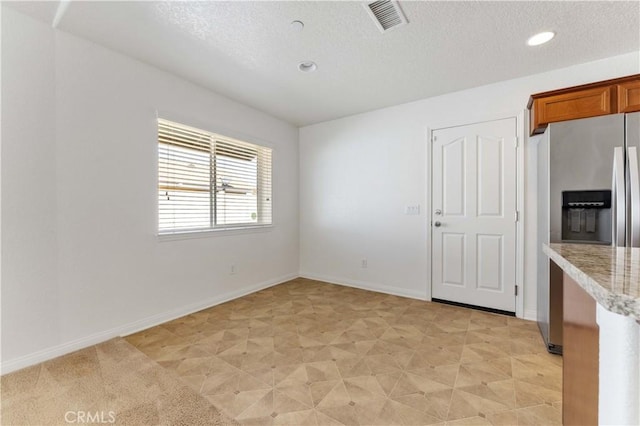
(364, 263)
(233, 270)
(413, 209)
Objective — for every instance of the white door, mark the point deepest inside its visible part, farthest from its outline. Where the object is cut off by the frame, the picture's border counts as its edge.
(473, 221)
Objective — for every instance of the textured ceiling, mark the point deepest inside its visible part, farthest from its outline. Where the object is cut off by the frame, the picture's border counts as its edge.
(247, 51)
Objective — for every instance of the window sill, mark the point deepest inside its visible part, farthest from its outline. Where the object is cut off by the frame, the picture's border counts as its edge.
(188, 235)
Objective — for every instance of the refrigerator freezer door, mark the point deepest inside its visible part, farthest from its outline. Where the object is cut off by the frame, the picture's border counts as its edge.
(542, 217)
(633, 189)
(581, 158)
(632, 139)
(618, 196)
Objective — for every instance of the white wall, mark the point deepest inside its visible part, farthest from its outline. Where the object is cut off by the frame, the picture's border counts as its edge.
(29, 234)
(81, 261)
(358, 173)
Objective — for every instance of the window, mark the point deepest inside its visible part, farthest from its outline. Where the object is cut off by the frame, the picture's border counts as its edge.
(208, 181)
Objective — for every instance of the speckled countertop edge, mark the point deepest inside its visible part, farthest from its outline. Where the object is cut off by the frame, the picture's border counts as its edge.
(615, 302)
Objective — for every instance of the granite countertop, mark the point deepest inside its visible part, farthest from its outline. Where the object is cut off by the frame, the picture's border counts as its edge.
(611, 275)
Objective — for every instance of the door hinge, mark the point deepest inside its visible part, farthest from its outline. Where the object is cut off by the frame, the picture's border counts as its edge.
(517, 215)
(515, 142)
(516, 291)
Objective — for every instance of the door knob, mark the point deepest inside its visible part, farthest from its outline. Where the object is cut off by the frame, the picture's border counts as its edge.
(437, 224)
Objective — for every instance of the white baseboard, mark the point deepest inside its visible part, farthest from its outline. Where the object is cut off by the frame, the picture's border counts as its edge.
(364, 285)
(133, 327)
(530, 315)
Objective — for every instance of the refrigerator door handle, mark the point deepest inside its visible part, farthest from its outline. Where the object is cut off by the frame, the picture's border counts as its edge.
(618, 195)
(634, 197)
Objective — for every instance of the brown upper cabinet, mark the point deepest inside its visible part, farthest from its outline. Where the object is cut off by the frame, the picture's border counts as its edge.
(629, 96)
(587, 100)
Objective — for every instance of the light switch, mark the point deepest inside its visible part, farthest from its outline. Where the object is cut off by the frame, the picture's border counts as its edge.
(412, 209)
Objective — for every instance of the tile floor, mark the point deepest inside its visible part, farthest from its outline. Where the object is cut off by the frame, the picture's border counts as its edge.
(307, 353)
(110, 383)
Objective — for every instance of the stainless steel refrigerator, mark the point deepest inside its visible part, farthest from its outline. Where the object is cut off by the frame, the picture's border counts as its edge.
(588, 192)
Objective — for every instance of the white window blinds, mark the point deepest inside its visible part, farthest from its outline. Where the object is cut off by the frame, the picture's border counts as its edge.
(208, 181)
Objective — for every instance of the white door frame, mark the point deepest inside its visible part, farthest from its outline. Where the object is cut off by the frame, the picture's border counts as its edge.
(520, 185)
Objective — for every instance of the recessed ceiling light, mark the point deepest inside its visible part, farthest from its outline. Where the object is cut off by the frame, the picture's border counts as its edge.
(297, 26)
(307, 66)
(540, 38)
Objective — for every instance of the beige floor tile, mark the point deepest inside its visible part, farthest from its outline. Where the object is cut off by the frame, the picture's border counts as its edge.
(474, 401)
(540, 415)
(234, 403)
(260, 409)
(488, 335)
(291, 399)
(484, 372)
(361, 357)
(503, 418)
(336, 396)
(528, 394)
(300, 418)
(364, 389)
(469, 421)
(353, 367)
(311, 353)
(113, 380)
(344, 414)
(388, 381)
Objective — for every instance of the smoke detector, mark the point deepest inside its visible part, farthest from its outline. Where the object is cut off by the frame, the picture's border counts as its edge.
(386, 14)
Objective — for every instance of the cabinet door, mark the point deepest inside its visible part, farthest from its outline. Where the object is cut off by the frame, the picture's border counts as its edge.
(570, 106)
(580, 371)
(629, 96)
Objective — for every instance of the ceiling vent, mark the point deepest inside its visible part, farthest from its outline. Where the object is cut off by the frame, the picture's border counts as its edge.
(386, 14)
